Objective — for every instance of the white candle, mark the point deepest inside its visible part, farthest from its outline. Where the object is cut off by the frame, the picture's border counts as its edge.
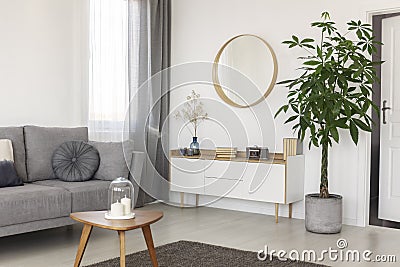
(127, 205)
(117, 209)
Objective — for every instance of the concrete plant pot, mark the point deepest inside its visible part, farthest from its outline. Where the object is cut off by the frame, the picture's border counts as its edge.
(323, 215)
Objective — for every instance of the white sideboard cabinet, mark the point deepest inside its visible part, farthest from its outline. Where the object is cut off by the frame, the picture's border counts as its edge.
(279, 180)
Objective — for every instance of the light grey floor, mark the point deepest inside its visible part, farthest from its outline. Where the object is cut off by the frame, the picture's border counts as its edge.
(247, 231)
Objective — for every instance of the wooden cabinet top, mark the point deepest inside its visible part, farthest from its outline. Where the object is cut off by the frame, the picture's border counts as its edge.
(207, 154)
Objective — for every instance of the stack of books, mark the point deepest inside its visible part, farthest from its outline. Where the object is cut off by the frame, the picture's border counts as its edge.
(226, 152)
(291, 147)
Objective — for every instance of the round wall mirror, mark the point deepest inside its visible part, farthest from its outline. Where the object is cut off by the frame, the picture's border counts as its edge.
(252, 57)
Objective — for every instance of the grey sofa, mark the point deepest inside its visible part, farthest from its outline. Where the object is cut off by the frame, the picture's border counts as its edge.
(45, 202)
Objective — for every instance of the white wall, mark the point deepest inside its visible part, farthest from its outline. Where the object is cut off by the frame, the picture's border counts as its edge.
(199, 28)
(40, 63)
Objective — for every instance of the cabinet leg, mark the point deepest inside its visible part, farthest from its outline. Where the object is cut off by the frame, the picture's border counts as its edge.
(197, 200)
(276, 212)
(182, 199)
(290, 210)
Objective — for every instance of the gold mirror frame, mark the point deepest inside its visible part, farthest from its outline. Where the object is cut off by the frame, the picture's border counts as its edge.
(216, 82)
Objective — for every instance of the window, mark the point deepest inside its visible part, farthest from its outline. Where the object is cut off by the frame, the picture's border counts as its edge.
(108, 68)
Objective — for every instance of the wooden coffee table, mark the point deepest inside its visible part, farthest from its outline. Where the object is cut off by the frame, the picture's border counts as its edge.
(143, 219)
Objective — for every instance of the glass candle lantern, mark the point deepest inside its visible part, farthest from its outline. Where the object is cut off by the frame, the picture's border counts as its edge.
(120, 200)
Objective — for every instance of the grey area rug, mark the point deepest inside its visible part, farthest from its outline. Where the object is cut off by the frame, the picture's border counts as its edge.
(186, 253)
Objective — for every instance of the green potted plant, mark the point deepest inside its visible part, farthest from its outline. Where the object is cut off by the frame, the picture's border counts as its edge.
(332, 93)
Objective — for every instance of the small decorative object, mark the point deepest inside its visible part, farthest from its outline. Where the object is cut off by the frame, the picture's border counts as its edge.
(189, 152)
(183, 151)
(264, 153)
(193, 113)
(253, 152)
(195, 146)
(120, 200)
(256, 152)
(226, 152)
(292, 147)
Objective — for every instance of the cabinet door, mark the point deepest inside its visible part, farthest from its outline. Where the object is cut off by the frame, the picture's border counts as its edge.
(224, 178)
(230, 170)
(265, 182)
(250, 181)
(187, 175)
(221, 187)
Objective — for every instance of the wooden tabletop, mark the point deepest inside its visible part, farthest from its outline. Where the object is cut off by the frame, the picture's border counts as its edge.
(96, 218)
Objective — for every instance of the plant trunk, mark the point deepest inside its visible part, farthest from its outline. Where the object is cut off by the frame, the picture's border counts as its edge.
(323, 189)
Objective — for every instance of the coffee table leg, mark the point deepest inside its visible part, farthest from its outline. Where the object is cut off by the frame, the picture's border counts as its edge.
(122, 247)
(87, 229)
(150, 245)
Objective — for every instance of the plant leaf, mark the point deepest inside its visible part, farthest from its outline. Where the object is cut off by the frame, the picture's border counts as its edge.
(362, 125)
(292, 118)
(284, 108)
(354, 132)
(342, 123)
(307, 40)
(312, 63)
(335, 134)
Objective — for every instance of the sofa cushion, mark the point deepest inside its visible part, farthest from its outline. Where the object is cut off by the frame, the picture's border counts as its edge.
(75, 161)
(6, 150)
(86, 196)
(40, 145)
(114, 159)
(16, 135)
(8, 174)
(32, 203)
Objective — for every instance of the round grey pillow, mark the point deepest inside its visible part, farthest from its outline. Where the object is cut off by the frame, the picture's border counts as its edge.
(75, 161)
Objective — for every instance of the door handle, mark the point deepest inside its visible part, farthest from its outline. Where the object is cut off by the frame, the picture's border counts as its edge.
(384, 108)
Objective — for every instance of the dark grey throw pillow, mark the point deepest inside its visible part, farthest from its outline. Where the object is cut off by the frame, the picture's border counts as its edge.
(75, 161)
(8, 174)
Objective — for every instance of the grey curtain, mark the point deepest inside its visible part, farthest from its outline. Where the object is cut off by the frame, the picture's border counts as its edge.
(149, 53)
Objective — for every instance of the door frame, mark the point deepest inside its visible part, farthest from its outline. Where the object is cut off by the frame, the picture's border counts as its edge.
(373, 140)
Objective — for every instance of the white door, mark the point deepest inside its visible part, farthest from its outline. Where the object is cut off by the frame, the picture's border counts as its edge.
(389, 191)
